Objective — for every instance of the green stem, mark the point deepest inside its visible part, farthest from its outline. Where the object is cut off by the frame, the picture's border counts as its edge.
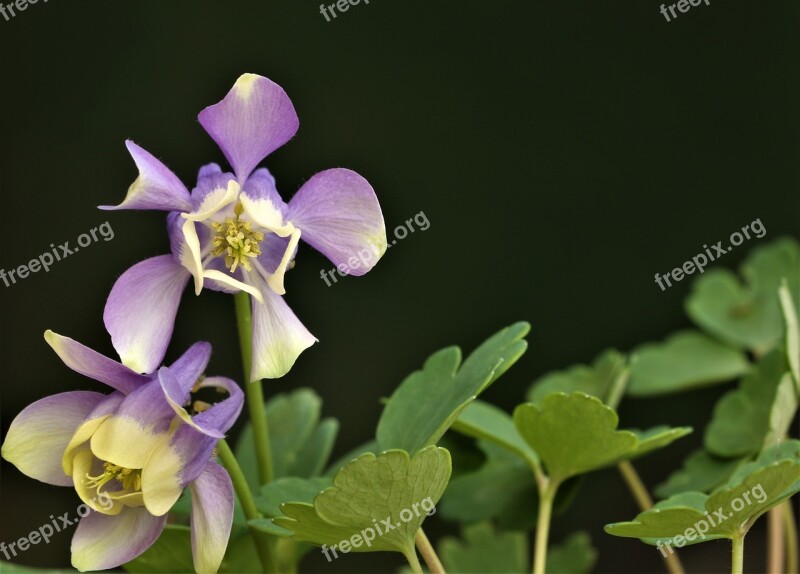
(428, 553)
(254, 393)
(737, 562)
(792, 566)
(546, 497)
(245, 497)
(413, 561)
(645, 502)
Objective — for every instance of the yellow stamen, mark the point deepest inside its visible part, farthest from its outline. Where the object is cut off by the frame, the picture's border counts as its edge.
(130, 479)
(236, 240)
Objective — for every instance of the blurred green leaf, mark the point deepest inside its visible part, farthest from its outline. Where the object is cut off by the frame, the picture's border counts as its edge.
(575, 555)
(289, 489)
(428, 401)
(484, 550)
(790, 306)
(485, 421)
(574, 434)
(701, 472)
(301, 445)
(728, 511)
(597, 380)
(12, 568)
(747, 315)
(366, 492)
(741, 419)
(686, 360)
(172, 552)
(783, 411)
(498, 487)
(336, 466)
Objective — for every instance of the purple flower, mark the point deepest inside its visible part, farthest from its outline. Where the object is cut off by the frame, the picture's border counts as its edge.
(234, 233)
(130, 454)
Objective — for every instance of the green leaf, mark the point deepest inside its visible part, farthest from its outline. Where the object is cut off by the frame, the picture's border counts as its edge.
(575, 555)
(747, 315)
(502, 485)
(485, 421)
(656, 438)
(686, 360)
(790, 306)
(428, 401)
(783, 411)
(301, 445)
(694, 517)
(289, 489)
(336, 466)
(11, 568)
(741, 419)
(701, 472)
(574, 434)
(392, 487)
(484, 550)
(172, 552)
(597, 380)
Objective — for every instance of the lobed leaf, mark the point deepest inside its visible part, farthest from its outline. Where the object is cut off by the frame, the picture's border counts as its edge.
(484, 550)
(686, 360)
(427, 402)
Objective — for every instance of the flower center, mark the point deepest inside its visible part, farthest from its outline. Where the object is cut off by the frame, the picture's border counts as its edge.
(130, 479)
(236, 240)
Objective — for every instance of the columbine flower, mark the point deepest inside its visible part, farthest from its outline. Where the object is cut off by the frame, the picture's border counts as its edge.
(130, 454)
(234, 232)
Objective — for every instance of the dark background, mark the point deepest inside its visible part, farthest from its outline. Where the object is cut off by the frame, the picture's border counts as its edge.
(563, 152)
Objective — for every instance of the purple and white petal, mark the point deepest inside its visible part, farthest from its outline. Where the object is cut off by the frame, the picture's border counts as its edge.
(225, 282)
(104, 409)
(155, 188)
(263, 203)
(140, 423)
(339, 215)
(173, 464)
(215, 200)
(209, 178)
(276, 279)
(92, 364)
(102, 542)
(254, 119)
(273, 250)
(212, 517)
(220, 417)
(140, 311)
(278, 337)
(192, 364)
(39, 435)
(178, 395)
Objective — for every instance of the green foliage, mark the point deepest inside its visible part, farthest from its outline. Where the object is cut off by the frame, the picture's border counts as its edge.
(598, 380)
(485, 421)
(575, 555)
(484, 550)
(172, 552)
(686, 360)
(503, 488)
(428, 401)
(301, 443)
(790, 306)
(729, 511)
(367, 491)
(702, 472)
(748, 315)
(289, 489)
(574, 434)
(741, 418)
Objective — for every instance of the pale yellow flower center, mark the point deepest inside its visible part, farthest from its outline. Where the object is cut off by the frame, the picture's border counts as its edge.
(129, 479)
(236, 240)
